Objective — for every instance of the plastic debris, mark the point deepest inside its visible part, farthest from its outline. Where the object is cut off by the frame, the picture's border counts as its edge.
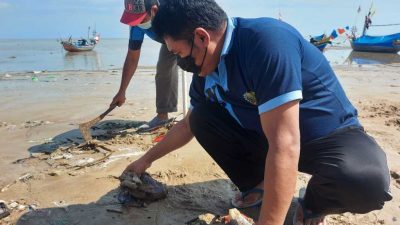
(138, 191)
(13, 205)
(235, 217)
(4, 211)
(35, 78)
(21, 207)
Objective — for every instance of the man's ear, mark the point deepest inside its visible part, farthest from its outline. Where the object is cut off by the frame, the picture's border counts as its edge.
(154, 10)
(201, 37)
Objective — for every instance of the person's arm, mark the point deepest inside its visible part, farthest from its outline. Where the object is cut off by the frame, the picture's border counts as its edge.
(179, 135)
(281, 127)
(130, 66)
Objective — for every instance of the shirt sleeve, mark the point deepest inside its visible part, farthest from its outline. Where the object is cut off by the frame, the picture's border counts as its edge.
(196, 91)
(136, 37)
(274, 65)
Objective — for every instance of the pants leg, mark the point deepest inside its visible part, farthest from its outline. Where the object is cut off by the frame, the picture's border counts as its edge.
(166, 81)
(349, 173)
(240, 153)
(349, 170)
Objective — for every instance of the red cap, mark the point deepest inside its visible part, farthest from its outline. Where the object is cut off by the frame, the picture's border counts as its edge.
(135, 12)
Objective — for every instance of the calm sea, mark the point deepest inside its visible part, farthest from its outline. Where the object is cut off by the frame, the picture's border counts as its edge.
(35, 55)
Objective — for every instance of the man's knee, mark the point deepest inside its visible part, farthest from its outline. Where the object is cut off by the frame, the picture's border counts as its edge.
(364, 190)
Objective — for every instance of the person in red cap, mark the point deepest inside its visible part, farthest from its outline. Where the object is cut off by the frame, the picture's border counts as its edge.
(138, 14)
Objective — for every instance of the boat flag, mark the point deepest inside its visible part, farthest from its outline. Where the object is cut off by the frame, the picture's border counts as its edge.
(333, 35)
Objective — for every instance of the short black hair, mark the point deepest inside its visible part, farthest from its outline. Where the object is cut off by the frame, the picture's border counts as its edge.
(179, 18)
(149, 3)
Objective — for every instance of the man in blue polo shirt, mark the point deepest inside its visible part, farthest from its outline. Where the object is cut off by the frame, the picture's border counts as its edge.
(138, 15)
(266, 103)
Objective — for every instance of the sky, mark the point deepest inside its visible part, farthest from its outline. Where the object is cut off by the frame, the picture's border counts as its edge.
(52, 19)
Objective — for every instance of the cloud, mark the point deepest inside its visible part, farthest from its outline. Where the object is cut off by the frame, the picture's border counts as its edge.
(4, 5)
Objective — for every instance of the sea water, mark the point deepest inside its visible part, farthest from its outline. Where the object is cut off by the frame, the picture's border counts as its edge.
(48, 54)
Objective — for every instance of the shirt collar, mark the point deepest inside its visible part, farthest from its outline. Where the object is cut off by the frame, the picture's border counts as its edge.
(228, 36)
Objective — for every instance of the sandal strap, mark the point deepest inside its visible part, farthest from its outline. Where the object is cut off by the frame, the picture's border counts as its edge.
(251, 191)
(246, 193)
(307, 214)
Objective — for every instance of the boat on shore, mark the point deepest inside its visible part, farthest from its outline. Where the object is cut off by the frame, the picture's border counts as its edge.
(320, 41)
(81, 44)
(384, 44)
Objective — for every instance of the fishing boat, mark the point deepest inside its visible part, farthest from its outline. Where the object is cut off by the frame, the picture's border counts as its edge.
(320, 41)
(82, 44)
(385, 44)
(365, 43)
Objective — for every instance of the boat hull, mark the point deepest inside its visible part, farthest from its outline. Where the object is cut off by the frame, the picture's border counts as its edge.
(384, 44)
(320, 42)
(321, 47)
(73, 48)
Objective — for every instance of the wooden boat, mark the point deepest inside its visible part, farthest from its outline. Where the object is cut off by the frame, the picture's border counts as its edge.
(82, 44)
(320, 41)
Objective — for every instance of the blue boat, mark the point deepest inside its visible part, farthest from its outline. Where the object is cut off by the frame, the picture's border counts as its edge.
(320, 41)
(365, 43)
(387, 43)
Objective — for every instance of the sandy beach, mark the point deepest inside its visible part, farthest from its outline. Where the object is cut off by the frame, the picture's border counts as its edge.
(47, 179)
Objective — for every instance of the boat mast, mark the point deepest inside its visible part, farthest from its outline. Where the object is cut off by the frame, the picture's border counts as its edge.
(367, 20)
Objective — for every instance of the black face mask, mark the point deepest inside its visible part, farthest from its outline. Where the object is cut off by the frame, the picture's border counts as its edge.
(187, 63)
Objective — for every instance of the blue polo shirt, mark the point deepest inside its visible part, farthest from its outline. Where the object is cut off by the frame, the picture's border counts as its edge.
(136, 37)
(266, 63)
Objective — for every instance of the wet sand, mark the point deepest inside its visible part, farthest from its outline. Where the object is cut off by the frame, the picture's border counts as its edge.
(64, 188)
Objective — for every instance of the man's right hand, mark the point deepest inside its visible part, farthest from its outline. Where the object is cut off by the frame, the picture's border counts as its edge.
(119, 99)
(138, 167)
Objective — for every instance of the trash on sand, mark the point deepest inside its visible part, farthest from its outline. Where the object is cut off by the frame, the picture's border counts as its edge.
(135, 190)
(7, 186)
(235, 217)
(4, 211)
(13, 205)
(206, 219)
(35, 78)
(115, 209)
(85, 161)
(7, 75)
(32, 207)
(25, 177)
(21, 207)
(159, 138)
